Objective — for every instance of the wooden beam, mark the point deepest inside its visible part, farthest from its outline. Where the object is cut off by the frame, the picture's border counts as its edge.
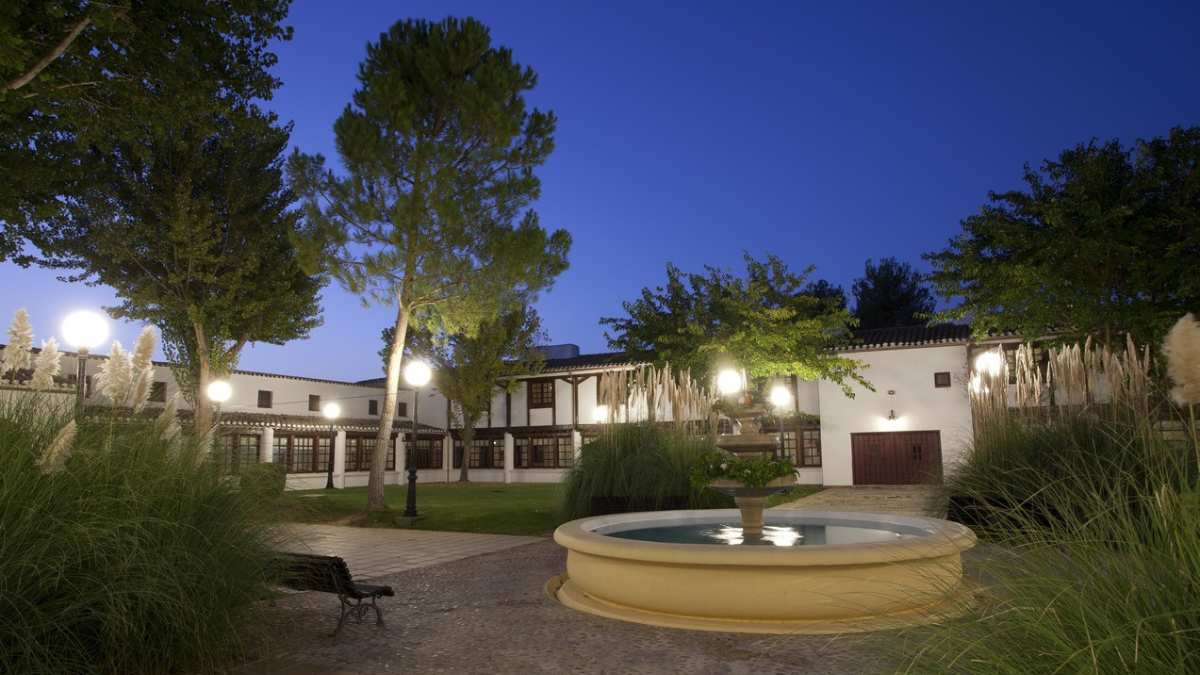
(574, 402)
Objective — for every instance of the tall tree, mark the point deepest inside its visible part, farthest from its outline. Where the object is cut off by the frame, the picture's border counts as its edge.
(821, 289)
(439, 152)
(891, 294)
(1103, 240)
(469, 369)
(80, 74)
(763, 322)
(191, 226)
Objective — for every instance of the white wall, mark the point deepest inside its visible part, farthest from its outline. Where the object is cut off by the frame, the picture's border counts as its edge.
(919, 406)
(808, 398)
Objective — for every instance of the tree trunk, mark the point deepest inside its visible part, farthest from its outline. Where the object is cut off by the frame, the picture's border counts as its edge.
(202, 412)
(468, 435)
(383, 440)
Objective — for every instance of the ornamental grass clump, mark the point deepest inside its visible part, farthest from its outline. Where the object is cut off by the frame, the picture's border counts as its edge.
(124, 554)
(1090, 501)
(637, 468)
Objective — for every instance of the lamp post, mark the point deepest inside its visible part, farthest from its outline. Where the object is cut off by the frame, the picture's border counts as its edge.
(780, 397)
(218, 391)
(416, 374)
(729, 383)
(84, 331)
(331, 411)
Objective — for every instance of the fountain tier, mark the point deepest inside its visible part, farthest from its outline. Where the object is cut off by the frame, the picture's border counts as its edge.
(848, 583)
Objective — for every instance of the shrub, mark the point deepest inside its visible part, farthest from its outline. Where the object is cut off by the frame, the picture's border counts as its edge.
(1104, 574)
(134, 557)
(264, 483)
(1097, 515)
(637, 468)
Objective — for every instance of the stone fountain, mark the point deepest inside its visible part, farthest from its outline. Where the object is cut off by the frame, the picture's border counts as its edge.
(751, 501)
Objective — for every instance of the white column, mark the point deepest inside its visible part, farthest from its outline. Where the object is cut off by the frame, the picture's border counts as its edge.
(577, 441)
(266, 445)
(509, 449)
(339, 459)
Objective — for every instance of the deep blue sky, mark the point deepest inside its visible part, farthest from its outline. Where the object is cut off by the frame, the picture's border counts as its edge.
(690, 133)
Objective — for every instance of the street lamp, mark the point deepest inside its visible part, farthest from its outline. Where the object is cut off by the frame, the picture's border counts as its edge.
(218, 391)
(84, 331)
(416, 374)
(331, 411)
(729, 382)
(780, 397)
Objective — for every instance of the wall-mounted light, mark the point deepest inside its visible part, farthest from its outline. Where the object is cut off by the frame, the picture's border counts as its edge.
(892, 415)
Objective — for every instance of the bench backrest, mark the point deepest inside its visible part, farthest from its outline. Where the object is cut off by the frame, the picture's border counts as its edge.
(306, 572)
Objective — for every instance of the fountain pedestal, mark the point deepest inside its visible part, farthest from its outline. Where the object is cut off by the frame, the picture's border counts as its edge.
(751, 501)
(752, 513)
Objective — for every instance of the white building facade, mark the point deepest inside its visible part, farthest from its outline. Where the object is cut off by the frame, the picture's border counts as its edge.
(912, 427)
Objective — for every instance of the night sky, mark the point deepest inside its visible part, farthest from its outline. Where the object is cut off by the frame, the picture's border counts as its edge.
(826, 135)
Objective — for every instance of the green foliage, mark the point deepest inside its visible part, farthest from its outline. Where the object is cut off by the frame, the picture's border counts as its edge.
(753, 472)
(1103, 240)
(637, 468)
(168, 182)
(1098, 521)
(107, 85)
(768, 322)
(432, 213)
(468, 368)
(191, 226)
(262, 483)
(891, 294)
(440, 152)
(134, 558)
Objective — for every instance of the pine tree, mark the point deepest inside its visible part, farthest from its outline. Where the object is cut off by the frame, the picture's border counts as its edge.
(432, 215)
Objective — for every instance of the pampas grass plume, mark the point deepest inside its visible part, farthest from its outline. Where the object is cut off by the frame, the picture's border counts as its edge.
(55, 456)
(47, 365)
(1182, 349)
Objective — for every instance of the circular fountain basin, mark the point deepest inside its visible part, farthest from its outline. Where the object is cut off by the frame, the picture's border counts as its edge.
(808, 572)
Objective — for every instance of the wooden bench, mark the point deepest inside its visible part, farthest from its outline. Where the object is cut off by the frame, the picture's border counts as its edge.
(329, 574)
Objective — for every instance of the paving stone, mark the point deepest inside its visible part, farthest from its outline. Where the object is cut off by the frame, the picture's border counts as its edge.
(489, 614)
(910, 500)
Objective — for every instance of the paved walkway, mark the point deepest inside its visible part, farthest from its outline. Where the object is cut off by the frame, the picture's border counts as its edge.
(378, 552)
(905, 500)
(489, 614)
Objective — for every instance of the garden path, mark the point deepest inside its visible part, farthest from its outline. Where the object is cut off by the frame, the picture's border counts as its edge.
(904, 500)
(376, 552)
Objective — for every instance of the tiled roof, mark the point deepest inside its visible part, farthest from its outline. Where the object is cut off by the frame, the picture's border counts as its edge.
(584, 361)
(309, 422)
(909, 336)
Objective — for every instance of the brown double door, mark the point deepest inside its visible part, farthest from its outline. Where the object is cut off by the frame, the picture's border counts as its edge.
(896, 457)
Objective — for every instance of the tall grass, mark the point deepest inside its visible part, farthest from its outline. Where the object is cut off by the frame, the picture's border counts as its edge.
(136, 557)
(1095, 517)
(637, 468)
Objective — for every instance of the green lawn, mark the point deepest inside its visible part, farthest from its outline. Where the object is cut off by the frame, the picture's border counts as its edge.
(456, 507)
(473, 507)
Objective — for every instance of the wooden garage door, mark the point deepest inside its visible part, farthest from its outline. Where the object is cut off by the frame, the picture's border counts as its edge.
(897, 457)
